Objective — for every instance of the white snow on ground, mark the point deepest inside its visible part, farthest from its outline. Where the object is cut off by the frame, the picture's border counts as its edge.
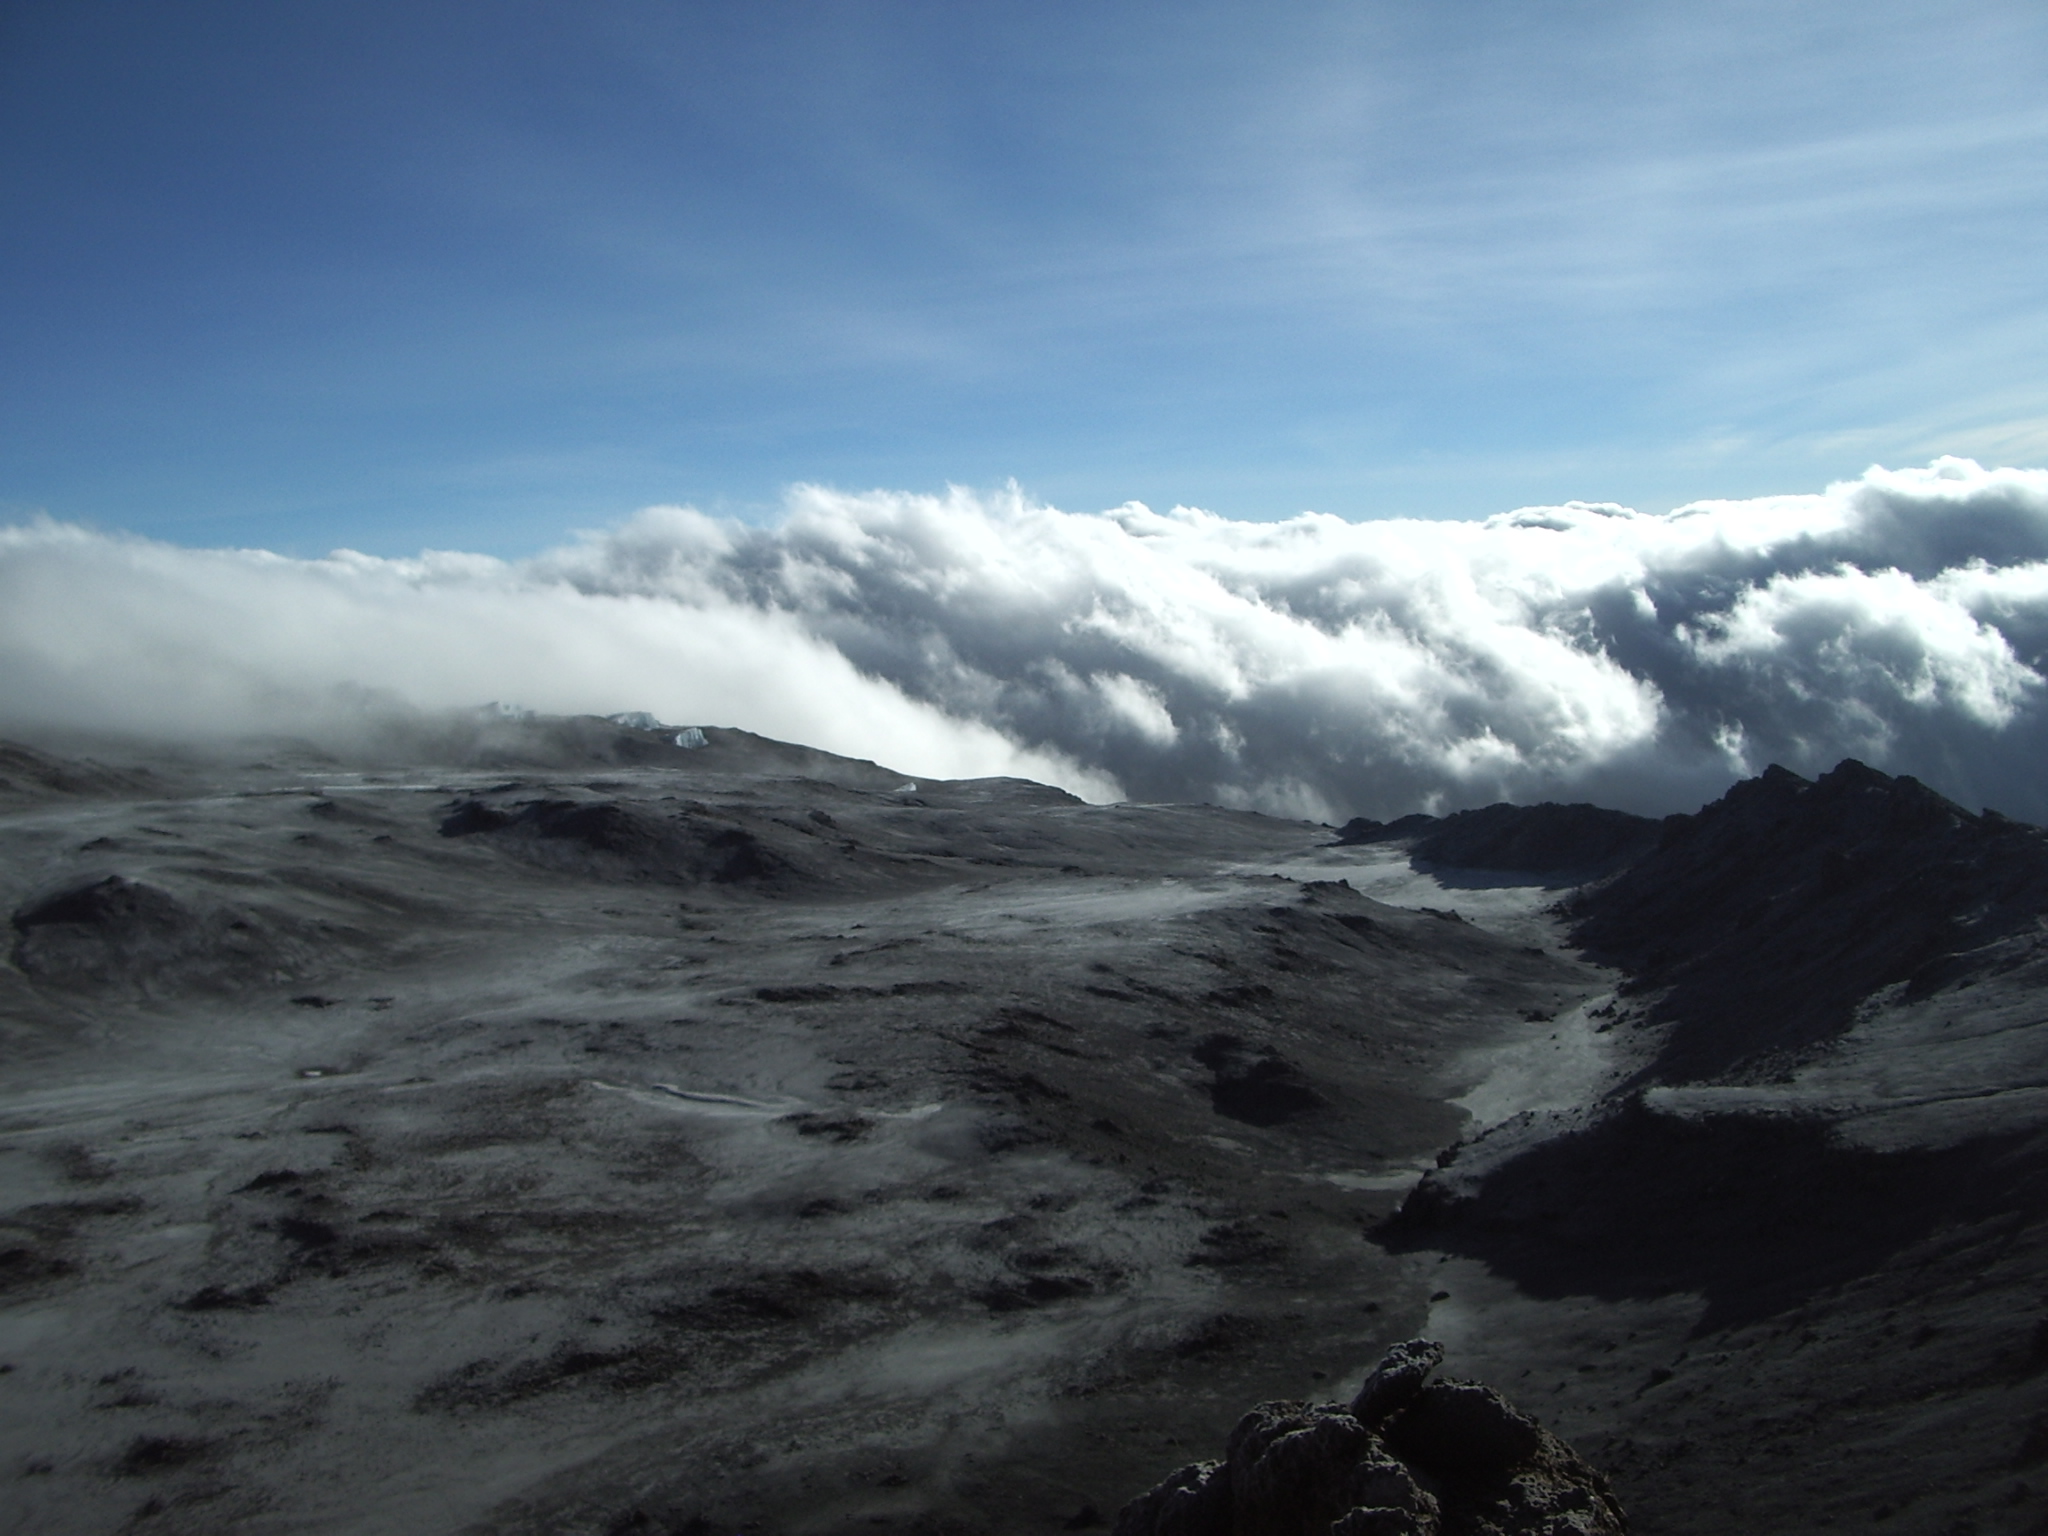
(1563, 1063)
(1929, 1073)
(1498, 903)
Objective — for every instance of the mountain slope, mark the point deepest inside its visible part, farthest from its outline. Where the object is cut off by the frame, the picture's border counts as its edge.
(1811, 1221)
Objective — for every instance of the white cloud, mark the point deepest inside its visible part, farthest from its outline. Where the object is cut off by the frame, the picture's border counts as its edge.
(1312, 667)
(145, 637)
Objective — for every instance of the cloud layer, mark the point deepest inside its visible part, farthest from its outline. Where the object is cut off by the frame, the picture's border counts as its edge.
(1312, 667)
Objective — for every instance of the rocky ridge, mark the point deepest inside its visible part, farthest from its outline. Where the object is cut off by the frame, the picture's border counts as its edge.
(1571, 842)
(1821, 1161)
(1759, 923)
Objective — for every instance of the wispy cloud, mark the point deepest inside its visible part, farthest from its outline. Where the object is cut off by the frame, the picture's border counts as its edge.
(1371, 258)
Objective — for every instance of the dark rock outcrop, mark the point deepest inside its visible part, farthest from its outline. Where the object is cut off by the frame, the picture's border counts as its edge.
(1757, 1213)
(612, 837)
(1761, 921)
(1579, 841)
(1392, 1386)
(122, 933)
(1408, 1457)
(1256, 1085)
(1363, 829)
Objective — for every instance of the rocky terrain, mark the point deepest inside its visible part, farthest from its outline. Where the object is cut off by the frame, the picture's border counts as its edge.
(1798, 1249)
(559, 1125)
(589, 1133)
(1407, 1456)
(1561, 844)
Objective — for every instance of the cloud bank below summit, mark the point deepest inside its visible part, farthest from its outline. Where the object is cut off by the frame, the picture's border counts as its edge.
(1310, 667)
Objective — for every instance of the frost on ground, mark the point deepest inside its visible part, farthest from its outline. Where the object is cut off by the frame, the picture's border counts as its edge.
(619, 1134)
(583, 1132)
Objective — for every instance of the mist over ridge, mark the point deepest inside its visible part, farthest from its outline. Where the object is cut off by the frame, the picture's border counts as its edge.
(1310, 667)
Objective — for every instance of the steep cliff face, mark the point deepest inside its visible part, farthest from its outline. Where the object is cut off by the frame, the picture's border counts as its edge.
(1408, 1456)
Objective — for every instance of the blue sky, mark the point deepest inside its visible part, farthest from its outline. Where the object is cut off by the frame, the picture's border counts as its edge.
(302, 275)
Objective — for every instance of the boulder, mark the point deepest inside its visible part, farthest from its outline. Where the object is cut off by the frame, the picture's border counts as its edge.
(1408, 1457)
(1393, 1384)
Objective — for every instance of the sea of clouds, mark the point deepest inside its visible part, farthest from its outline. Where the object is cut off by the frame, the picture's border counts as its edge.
(1312, 667)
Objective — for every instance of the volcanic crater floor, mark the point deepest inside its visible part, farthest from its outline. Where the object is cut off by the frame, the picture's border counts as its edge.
(737, 1138)
(587, 1133)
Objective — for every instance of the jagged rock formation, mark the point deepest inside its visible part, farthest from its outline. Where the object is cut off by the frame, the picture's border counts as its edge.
(1763, 920)
(1360, 830)
(1582, 841)
(1407, 1457)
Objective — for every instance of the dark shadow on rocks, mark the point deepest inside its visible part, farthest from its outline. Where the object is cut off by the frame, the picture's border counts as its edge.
(1563, 844)
(680, 846)
(1762, 921)
(1408, 1457)
(1566, 842)
(1362, 830)
(116, 932)
(1756, 1213)
(1256, 1085)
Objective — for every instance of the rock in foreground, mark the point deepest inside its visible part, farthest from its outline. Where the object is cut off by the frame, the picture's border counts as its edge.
(1408, 1457)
